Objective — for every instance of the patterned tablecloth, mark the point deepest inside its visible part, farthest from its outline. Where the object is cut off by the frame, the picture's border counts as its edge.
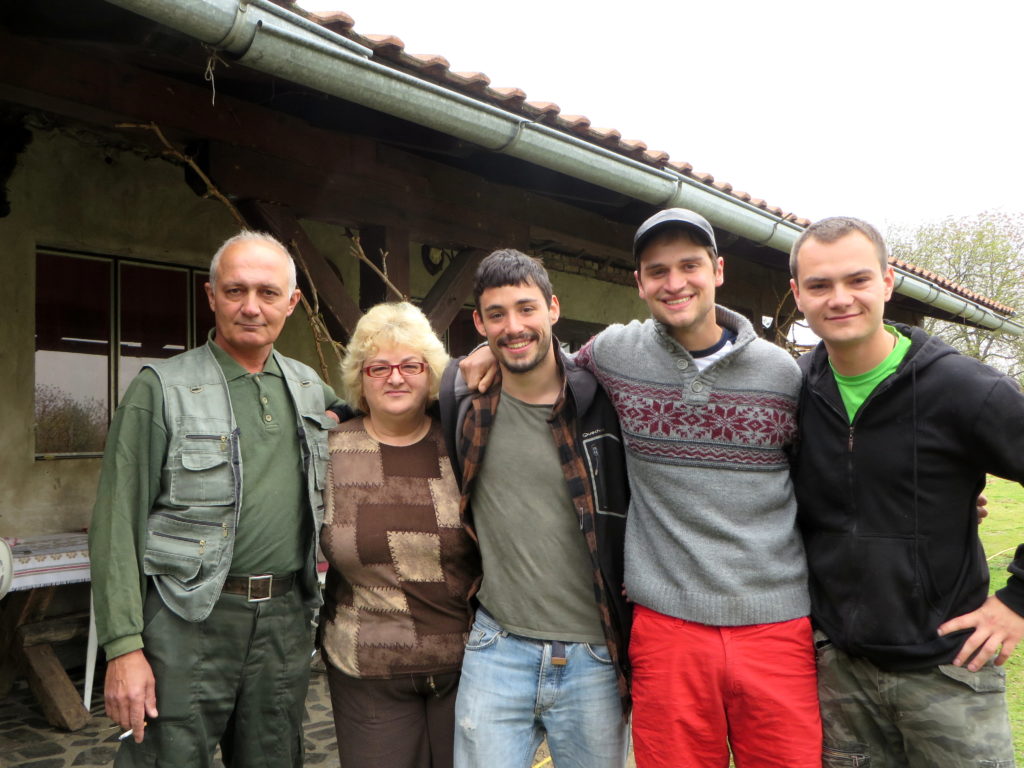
(43, 561)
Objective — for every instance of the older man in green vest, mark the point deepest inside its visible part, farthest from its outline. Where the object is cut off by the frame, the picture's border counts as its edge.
(203, 537)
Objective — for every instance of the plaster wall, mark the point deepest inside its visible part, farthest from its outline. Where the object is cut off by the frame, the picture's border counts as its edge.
(595, 301)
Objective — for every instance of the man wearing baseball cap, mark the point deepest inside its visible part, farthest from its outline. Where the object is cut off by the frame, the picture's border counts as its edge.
(721, 647)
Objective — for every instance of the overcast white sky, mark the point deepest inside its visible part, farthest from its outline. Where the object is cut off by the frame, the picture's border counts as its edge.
(899, 112)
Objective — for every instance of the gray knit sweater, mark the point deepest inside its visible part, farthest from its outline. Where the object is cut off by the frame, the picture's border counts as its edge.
(711, 534)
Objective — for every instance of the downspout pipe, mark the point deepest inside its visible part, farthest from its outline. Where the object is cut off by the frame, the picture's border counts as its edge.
(276, 41)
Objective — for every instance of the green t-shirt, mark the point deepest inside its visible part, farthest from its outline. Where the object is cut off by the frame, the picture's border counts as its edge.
(538, 579)
(856, 389)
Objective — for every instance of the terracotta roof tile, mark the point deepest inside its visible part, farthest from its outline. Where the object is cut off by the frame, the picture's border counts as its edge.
(336, 21)
(383, 44)
(542, 109)
(475, 81)
(436, 67)
(508, 95)
(656, 157)
(606, 135)
(433, 64)
(575, 123)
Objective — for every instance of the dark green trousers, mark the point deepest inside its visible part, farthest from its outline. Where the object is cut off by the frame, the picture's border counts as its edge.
(238, 679)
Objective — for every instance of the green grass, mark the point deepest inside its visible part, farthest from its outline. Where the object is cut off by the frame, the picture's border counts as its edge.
(1001, 532)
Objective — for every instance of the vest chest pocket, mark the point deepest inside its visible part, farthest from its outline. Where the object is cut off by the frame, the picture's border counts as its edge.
(317, 427)
(202, 474)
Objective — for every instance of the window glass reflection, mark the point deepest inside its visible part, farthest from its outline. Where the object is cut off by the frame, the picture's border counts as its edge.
(154, 318)
(71, 358)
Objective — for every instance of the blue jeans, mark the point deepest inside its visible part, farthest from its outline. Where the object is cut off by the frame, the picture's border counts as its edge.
(511, 695)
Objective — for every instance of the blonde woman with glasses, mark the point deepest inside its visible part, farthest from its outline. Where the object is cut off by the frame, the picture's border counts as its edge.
(395, 616)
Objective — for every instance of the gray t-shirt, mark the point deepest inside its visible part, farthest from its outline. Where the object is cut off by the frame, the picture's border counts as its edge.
(538, 579)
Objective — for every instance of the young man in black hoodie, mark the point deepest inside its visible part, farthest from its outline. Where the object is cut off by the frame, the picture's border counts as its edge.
(897, 433)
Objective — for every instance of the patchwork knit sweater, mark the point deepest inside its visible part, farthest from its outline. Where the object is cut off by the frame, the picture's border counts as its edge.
(711, 534)
(396, 597)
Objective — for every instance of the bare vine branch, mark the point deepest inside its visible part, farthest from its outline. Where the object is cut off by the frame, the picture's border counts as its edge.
(211, 188)
(321, 335)
(357, 251)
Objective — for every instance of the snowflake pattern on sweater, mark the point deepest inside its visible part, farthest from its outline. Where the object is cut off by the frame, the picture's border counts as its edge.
(735, 428)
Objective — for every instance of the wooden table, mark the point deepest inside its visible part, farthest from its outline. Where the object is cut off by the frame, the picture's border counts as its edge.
(27, 636)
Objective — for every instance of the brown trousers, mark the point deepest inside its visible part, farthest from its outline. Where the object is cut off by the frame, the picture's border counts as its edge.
(403, 722)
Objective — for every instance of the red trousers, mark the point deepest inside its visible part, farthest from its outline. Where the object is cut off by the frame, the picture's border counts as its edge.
(700, 690)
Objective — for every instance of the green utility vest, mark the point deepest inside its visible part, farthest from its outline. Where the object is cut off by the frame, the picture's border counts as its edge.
(190, 536)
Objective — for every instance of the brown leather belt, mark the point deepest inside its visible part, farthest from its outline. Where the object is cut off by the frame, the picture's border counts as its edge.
(259, 588)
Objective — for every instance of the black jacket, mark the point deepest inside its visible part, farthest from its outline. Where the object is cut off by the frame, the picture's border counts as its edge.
(596, 438)
(887, 503)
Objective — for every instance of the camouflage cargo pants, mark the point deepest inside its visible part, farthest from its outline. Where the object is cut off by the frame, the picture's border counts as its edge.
(944, 716)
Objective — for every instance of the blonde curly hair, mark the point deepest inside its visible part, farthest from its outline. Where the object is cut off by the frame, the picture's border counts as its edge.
(395, 324)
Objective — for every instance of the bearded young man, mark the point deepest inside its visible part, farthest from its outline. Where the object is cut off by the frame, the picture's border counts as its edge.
(544, 496)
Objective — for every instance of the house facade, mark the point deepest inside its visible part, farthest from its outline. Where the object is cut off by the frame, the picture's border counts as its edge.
(139, 134)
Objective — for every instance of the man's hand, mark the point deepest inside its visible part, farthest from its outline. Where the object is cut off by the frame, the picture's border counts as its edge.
(982, 504)
(333, 415)
(997, 629)
(129, 692)
(479, 368)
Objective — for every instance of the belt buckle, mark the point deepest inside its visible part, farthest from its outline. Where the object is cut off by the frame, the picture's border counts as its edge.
(263, 593)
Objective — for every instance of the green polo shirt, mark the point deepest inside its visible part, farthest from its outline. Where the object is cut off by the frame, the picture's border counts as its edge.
(273, 520)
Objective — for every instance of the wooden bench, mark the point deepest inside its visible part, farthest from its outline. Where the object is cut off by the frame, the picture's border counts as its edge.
(39, 565)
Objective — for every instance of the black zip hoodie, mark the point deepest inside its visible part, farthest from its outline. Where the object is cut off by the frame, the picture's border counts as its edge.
(887, 503)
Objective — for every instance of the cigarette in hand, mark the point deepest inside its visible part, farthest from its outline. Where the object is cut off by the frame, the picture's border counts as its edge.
(130, 732)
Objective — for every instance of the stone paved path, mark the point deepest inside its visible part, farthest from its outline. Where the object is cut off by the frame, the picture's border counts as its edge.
(28, 741)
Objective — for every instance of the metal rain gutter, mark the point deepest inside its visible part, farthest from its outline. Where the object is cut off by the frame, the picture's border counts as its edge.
(914, 287)
(276, 41)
